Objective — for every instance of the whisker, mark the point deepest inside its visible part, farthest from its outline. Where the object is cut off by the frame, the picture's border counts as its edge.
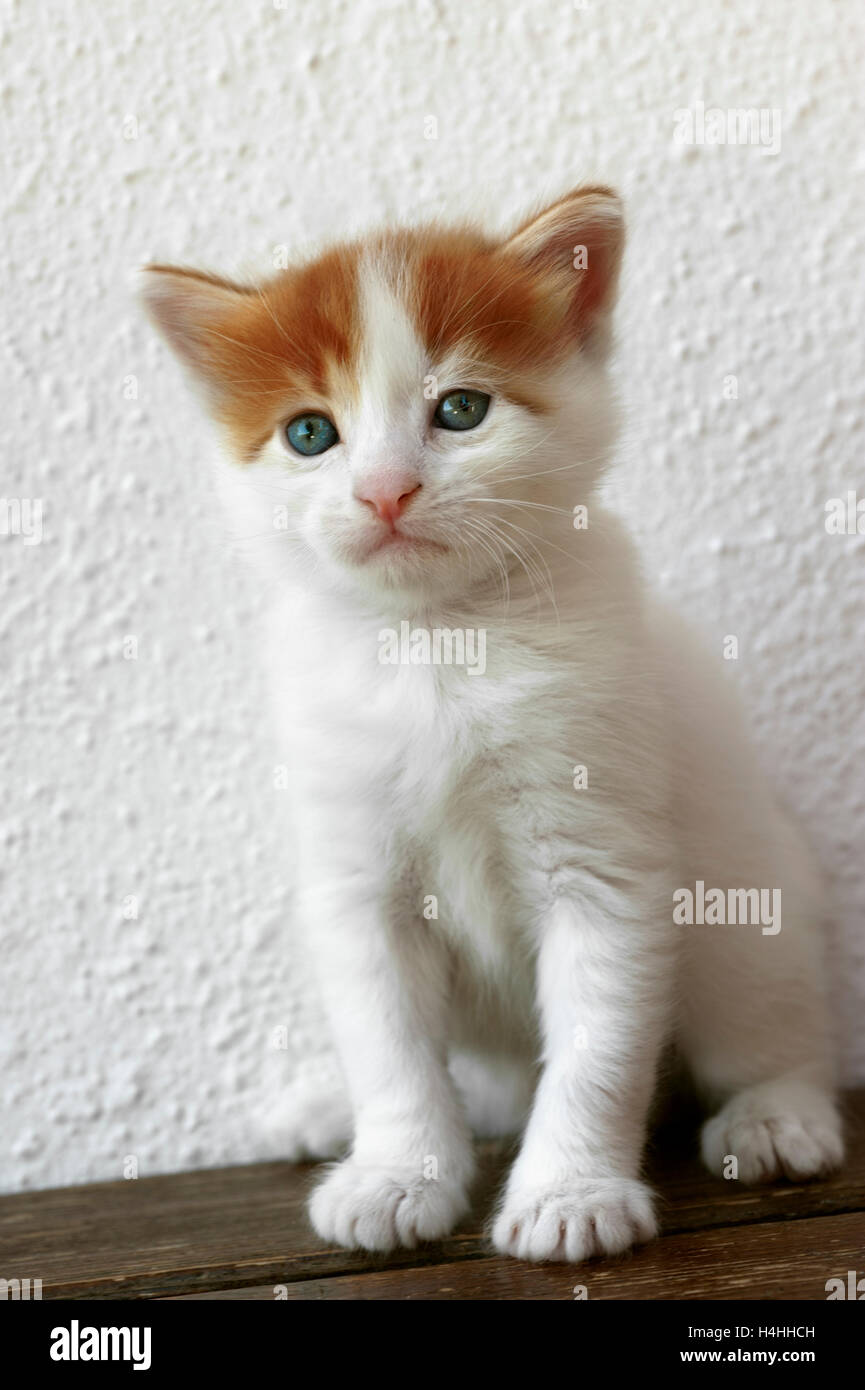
(474, 525)
(541, 561)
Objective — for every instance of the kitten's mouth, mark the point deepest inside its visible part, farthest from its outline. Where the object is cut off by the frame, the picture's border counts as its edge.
(398, 542)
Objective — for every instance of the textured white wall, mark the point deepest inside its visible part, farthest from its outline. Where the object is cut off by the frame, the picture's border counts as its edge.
(212, 134)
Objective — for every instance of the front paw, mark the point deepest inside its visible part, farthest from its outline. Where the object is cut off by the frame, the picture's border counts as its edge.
(575, 1219)
(378, 1208)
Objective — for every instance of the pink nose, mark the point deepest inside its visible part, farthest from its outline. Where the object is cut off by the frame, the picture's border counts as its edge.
(389, 500)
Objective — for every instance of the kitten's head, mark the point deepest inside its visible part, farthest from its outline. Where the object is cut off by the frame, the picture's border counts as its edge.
(412, 412)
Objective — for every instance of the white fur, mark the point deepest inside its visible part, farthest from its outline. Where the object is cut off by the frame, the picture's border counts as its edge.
(553, 967)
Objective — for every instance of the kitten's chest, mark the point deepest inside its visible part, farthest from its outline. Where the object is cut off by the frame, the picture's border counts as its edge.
(421, 767)
(411, 736)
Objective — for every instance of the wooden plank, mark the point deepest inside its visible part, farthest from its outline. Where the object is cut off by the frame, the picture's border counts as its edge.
(246, 1226)
(180, 1232)
(788, 1260)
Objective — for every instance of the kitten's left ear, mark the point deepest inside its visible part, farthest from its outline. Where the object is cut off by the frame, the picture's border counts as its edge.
(577, 244)
(195, 311)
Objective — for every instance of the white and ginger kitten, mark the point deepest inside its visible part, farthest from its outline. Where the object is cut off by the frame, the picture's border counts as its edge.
(409, 423)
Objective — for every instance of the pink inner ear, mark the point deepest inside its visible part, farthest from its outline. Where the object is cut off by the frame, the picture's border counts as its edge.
(596, 282)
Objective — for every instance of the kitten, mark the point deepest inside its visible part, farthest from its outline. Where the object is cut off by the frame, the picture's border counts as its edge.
(492, 857)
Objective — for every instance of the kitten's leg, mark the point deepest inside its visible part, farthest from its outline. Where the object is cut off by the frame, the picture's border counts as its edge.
(753, 1023)
(311, 1120)
(755, 1032)
(788, 1127)
(603, 982)
(386, 993)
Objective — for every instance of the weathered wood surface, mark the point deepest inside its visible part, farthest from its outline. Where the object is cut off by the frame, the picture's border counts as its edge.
(236, 1233)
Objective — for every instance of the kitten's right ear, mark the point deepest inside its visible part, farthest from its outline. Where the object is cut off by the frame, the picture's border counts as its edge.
(577, 244)
(193, 311)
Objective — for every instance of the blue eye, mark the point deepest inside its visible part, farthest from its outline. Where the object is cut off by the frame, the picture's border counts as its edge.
(311, 434)
(461, 410)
